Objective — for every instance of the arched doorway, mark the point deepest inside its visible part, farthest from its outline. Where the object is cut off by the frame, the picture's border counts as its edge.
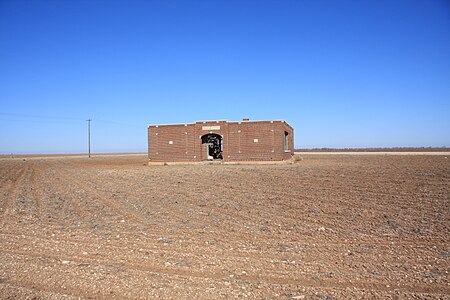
(213, 146)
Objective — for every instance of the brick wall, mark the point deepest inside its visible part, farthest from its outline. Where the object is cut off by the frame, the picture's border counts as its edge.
(241, 141)
(172, 143)
(259, 141)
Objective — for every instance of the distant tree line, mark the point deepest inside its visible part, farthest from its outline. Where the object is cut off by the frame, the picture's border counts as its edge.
(385, 149)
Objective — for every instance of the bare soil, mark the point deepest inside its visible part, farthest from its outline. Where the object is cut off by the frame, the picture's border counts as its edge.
(327, 227)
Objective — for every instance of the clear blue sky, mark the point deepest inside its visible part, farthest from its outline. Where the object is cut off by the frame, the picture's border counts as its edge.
(342, 73)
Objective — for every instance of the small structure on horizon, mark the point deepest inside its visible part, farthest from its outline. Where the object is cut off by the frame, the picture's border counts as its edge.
(221, 141)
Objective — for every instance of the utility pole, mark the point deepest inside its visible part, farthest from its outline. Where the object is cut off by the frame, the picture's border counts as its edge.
(89, 136)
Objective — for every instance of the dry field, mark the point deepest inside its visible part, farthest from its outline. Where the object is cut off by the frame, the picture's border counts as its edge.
(328, 227)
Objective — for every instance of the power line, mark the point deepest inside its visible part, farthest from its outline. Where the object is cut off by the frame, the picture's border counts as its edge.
(119, 123)
(19, 117)
(67, 118)
(40, 117)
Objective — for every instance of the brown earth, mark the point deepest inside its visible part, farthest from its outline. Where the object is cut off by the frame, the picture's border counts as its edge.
(327, 227)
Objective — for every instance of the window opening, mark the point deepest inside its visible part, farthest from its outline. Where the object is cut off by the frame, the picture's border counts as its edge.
(286, 141)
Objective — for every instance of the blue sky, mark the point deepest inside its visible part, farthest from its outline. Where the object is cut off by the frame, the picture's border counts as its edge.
(342, 73)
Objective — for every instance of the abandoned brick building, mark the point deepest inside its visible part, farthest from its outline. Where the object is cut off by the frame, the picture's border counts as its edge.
(221, 140)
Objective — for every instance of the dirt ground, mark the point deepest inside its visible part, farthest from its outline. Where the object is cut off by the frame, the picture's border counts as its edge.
(327, 227)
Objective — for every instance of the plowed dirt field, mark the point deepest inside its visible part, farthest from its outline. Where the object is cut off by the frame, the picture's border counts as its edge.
(327, 227)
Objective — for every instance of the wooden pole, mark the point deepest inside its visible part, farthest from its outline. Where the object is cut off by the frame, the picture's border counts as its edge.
(89, 136)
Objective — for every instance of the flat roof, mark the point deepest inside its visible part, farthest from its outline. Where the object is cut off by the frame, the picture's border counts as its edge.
(218, 121)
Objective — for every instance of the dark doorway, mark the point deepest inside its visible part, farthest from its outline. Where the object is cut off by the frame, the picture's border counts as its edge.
(213, 145)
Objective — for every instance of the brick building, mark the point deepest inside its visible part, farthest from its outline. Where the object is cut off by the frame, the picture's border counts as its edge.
(221, 140)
